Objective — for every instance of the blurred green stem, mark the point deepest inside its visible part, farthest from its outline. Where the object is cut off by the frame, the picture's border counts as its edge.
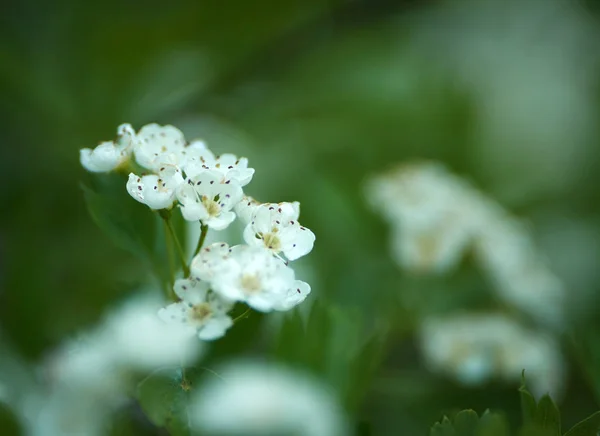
(166, 215)
(169, 244)
(203, 233)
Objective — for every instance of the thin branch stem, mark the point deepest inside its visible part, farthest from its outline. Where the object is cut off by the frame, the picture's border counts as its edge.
(237, 318)
(168, 243)
(167, 217)
(203, 233)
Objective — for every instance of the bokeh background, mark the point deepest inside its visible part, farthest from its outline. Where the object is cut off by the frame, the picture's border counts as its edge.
(320, 96)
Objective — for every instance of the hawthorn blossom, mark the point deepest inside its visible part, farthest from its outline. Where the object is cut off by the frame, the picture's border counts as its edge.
(276, 227)
(210, 261)
(477, 348)
(294, 296)
(245, 208)
(200, 159)
(109, 155)
(156, 191)
(254, 276)
(207, 198)
(266, 399)
(157, 145)
(199, 309)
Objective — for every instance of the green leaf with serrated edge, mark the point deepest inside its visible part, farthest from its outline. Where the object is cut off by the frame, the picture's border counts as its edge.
(587, 427)
(547, 416)
(443, 428)
(492, 424)
(528, 404)
(165, 401)
(465, 423)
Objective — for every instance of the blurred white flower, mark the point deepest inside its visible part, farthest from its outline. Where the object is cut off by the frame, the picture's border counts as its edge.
(276, 227)
(199, 309)
(477, 348)
(207, 198)
(437, 217)
(433, 215)
(254, 276)
(261, 399)
(111, 154)
(228, 165)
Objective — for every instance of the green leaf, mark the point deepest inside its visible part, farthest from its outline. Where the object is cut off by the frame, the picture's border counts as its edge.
(528, 404)
(492, 424)
(129, 224)
(164, 399)
(443, 428)
(465, 423)
(547, 416)
(587, 427)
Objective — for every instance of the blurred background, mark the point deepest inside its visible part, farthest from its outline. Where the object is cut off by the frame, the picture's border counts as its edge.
(321, 96)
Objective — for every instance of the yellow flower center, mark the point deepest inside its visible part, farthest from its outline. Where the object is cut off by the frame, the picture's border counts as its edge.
(250, 283)
(272, 242)
(211, 206)
(201, 312)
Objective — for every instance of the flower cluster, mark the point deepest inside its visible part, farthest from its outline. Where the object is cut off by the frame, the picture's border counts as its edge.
(437, 217)
(209, 189)
(477, 348)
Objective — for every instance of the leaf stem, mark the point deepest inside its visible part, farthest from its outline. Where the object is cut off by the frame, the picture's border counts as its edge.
(203, 233)
(169, 245)
(166, 215)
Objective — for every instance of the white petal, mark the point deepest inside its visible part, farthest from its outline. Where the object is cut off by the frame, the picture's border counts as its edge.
(220, 222)
(191, 291)
(210, 261)
(296, 295)
(174, 313)
(246, 208)
(105, 157)
(215, 328)
(135, 187)
(297, 241)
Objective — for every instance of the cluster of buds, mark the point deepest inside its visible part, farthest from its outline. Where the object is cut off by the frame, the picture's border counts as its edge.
(209, 189)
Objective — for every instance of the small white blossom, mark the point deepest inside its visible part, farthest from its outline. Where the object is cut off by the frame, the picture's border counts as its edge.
(209, 199)
(156, 191)
(245, 209)
(200, 159)
(275, 227)
(157, 145)
(109, 155)
(254, 276)
(199, 309)
(295, 295)
(261, 399)
(210, 261)
(477, 348)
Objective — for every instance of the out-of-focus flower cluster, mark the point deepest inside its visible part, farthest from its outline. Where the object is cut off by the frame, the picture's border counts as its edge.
(436, 219)
(209, 189)
(88, 378)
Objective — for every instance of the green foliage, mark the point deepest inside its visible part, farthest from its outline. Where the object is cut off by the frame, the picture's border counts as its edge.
(468, 423)
(164, 397)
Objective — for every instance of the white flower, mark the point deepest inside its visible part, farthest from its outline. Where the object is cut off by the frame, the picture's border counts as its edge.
(209, 199)
(253, 275)
(156, 191)
(199, 309)
(210, 261)
(245, 209)
(158, 145)
(275, 227)
(261, 399)
(109, 155)
(200, 159)
(295, 295)
(477, 348)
